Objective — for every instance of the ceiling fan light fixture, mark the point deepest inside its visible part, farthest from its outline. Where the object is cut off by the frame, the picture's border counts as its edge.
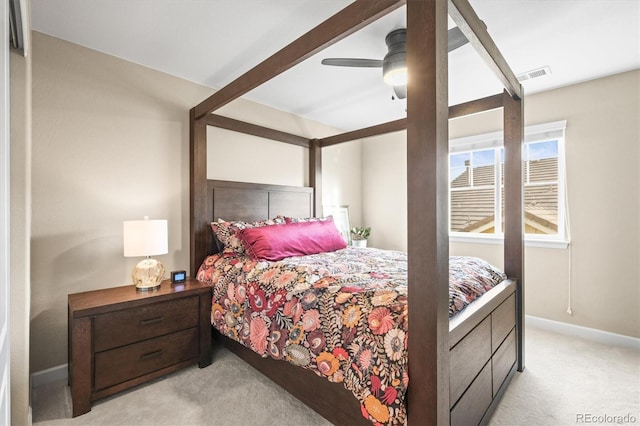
(394, 64)
(396, 76)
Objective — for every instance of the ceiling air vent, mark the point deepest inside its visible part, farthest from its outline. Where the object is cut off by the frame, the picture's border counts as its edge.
(539, 72)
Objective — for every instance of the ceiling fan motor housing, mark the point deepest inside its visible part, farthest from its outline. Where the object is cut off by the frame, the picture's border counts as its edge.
(396, 56)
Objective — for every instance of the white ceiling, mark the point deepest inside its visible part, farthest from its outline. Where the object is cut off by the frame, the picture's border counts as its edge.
(213, 42)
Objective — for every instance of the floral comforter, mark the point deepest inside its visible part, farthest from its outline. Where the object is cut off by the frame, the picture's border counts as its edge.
(341, 314)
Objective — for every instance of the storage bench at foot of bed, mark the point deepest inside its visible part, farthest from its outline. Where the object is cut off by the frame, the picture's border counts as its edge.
(480, 363)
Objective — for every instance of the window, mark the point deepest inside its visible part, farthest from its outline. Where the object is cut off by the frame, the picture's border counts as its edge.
(476, 186)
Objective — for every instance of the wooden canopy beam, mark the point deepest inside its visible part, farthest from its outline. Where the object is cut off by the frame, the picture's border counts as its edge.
(477, 106)
(256, 130)
(471, 26)
(455, 111)
(349, 20)
(380, 129)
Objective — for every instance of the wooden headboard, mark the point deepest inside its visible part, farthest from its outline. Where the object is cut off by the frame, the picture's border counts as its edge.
(247, 202)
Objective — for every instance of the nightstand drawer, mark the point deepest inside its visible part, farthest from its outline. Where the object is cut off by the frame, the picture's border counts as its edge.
(133, 325)
(122, 364)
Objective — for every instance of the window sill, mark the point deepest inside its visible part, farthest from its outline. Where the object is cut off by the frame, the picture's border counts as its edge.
(498, 239)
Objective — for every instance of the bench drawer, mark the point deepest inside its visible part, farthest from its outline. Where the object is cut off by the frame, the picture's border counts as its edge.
(503, 360)
(468, 357)
(503, 319)
(474, 403)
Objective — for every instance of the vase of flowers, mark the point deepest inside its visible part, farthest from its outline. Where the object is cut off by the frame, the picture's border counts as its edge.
(359, 236)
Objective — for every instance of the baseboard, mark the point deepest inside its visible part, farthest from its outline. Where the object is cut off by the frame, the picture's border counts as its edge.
(593, 334)
(49, 375)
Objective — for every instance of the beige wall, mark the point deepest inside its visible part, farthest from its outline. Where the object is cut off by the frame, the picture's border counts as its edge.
(602, 151)
(110, 143)
(284, 164)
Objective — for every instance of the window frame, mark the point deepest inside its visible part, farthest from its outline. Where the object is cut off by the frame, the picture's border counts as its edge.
(494, 140)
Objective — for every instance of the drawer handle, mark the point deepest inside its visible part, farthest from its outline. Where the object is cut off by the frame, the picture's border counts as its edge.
(151, 354)
(151, 320)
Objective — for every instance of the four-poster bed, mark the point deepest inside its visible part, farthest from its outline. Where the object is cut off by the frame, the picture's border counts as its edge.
(483, 345)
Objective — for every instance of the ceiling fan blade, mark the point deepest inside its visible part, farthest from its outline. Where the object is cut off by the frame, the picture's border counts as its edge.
(455, 39)
(353, 62)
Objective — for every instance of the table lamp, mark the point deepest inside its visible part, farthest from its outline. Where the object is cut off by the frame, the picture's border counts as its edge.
(146, 238)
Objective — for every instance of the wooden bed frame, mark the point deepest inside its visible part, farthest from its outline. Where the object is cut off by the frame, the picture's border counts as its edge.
(482, 346)
(481, 337)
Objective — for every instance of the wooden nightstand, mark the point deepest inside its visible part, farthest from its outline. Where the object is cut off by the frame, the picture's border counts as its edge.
(120, 337)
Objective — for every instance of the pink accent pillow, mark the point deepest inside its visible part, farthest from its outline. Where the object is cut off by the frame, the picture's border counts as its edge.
(292, 239)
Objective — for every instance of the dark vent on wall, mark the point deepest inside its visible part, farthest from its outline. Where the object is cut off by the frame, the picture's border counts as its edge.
(539, 72)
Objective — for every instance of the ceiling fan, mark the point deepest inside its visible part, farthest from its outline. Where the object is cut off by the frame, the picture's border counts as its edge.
(394, 63)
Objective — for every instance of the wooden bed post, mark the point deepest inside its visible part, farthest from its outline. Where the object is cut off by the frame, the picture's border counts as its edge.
(315, 175)
(513, 207)
(428, 236)
(201, 237)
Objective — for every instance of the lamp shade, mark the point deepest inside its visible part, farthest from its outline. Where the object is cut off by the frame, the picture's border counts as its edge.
(145, 238)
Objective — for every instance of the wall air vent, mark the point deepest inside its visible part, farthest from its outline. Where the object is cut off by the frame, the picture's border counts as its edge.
(529, 75)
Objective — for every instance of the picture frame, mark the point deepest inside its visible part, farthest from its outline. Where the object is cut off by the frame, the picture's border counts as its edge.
(341, 219)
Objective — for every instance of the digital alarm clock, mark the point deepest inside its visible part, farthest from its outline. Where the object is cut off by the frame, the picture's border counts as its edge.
(178, 277)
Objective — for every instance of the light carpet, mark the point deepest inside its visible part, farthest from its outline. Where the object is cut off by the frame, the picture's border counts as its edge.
(567, 381)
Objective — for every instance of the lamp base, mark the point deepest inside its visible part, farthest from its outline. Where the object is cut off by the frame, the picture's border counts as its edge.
(148, 274)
